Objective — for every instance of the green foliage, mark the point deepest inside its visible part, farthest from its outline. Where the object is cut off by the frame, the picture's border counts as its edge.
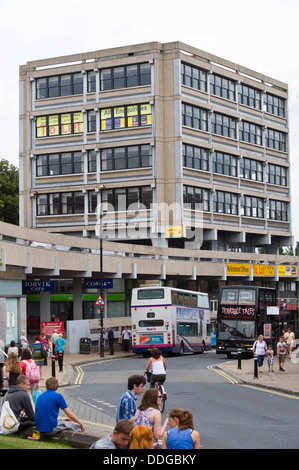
(9, 193)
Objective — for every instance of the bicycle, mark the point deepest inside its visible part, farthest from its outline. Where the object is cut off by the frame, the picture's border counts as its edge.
(161, 390)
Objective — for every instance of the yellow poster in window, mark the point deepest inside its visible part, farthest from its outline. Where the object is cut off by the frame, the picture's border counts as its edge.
(66, 126)
(78, 122)
(53, 125)
(145, 109)
(41, 126)
(106, 122)
(132, 110)
(132, 113)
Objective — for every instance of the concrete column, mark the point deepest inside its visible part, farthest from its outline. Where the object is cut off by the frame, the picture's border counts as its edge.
(44, 306)
(77, 299)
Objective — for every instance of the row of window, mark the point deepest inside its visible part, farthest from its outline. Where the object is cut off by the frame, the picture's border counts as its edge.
(122, 199)
(226, 88)
(139, 156)
(119, 158)
(110, 79)
(226, 126)
(226, 164)
(119, 117)
(73, 202)
(228, 203)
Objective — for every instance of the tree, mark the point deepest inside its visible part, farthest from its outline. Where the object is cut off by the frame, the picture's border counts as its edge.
(9, 193)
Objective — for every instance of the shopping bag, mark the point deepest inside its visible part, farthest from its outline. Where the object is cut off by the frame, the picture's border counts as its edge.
(8, 422)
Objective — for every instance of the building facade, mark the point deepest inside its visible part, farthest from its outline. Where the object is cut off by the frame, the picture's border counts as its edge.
(173, 134)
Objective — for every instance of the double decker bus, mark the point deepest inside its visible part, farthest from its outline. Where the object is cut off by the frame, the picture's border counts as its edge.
(242, 315)
(174, 320)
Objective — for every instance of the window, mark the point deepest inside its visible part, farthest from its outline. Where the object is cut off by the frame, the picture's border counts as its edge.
(121, 158)
(277, 175)
(249, 132)
(194, 77)
(224, 164)
(126, 76)
(59, 164)
(60, 203)
(59, 124)
(226, 203)
(249, 96)
(91, 121)
(252, 207)
(126, 116)
(92, 201)
(275, 140)
(223, 125)
(60, 85)
(223, 87)
(251, 169)
(92, 161)
(274, 105)
(195, 157)
(91, 81)
(194, 117)
(278, 210)
(121, 198)
(196, 198)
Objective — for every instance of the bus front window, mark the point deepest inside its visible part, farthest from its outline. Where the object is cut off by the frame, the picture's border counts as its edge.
(236, 329)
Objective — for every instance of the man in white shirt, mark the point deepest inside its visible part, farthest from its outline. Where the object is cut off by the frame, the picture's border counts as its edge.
(125, 337)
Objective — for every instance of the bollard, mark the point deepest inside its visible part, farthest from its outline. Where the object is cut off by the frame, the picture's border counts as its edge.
(53, 366)
(60, 360)
(255, 376)
(239, 358)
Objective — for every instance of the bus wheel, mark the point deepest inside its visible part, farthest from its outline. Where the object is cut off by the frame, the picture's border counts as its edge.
(182, 347)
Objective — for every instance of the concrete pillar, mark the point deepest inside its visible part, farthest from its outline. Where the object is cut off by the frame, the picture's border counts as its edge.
(44, 306)
(77, 299)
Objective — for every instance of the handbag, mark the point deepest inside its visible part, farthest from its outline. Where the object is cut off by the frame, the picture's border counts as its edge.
(8, 422)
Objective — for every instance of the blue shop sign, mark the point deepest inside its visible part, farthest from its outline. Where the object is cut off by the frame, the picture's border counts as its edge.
(38, 286)
(93, 283)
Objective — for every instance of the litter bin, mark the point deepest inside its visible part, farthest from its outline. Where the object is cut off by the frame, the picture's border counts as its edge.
(85, 345)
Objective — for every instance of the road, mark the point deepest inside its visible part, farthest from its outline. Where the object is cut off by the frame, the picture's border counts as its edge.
(227, 415)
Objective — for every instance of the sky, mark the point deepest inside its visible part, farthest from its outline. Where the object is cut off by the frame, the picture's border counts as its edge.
(262, 35)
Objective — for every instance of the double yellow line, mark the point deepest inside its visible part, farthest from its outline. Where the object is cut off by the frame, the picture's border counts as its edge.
(226, 376)
(79, 377)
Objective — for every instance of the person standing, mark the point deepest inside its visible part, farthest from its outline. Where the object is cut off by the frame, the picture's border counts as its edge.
(281, 353)
(125, 337)
(13, 348)
(111, 341)
(24, 341)
(54, 337)
(44, 339)
(12, 368)
(60, 349)
(37, 354)
(260, 348)
(291, 342)
(127, 408)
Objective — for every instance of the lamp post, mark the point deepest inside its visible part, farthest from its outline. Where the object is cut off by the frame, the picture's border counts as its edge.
(101, 187)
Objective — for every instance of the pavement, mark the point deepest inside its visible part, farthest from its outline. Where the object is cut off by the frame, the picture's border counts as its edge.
(99, 425)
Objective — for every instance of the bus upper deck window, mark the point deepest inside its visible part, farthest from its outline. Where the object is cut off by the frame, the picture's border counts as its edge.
(150, 314)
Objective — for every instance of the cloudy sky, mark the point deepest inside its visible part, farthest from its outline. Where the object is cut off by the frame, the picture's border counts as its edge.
(262, 35)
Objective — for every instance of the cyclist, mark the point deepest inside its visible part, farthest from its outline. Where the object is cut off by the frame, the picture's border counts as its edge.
(157, 364)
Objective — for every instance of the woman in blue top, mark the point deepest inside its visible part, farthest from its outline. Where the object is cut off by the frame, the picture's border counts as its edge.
(60, 350)
(182, 434)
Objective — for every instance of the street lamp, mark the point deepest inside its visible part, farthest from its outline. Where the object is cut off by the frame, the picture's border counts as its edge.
(101, 187)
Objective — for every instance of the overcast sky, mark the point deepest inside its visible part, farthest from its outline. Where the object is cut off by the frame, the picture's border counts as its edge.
(262, 35)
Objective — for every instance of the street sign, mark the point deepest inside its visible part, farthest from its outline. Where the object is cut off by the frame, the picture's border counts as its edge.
(99, 301)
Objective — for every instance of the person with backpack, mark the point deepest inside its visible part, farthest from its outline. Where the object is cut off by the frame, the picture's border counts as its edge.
(30, 369)
(281, 353)
(260, 348)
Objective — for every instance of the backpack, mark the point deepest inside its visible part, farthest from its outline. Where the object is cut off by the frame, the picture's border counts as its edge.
(32, 372)
(8, 422)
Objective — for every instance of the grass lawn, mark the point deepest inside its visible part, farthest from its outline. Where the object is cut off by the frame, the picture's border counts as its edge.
(18, 442)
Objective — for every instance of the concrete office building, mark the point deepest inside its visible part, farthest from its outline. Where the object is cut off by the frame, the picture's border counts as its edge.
(170, 138)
